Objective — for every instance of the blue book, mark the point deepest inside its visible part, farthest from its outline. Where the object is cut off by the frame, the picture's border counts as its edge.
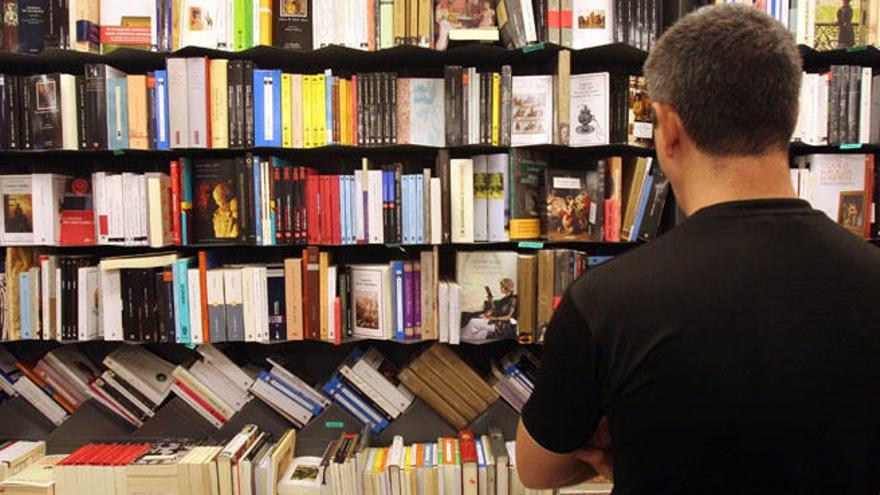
(387, 191)
(163, 141)
(640, 212)
(410, 211)
(354, 404)
(258, 219)
(346, 208)
(352, 206)
(293, 394)
(404, 205)
(267, 108)
(420, 210)
(117, 109)
(397, 299)
(328, 94)
(24, 305)
(593, 261)
(186, 200)
(180, 287)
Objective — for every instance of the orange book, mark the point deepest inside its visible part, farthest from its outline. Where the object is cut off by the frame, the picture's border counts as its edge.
(28, 372)
(203, 289)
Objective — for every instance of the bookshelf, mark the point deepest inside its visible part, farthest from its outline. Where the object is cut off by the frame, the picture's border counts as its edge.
(315, 362)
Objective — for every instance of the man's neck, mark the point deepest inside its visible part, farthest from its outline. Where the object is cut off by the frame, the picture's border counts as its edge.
(736, 179)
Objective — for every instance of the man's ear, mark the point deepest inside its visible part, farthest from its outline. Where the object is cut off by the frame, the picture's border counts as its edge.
(669, 129)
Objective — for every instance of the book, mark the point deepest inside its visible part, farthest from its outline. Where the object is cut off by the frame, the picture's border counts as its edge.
(488, 294)
(532, 110)
(216, 206)
(129, 24)
(589, 109)
(567, 206)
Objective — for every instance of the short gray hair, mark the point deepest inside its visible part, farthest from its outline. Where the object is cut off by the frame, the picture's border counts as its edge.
(733, 74)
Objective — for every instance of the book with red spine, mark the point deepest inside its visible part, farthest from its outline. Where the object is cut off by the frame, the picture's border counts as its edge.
(325, 207)
(468, 449)
(313, 213)
(278, 199)
(51, 392)
(286, 210)
(311, 294)
(176, 226)
(337, 318)
(203, 295)
(202, 403)
(296, 221)
(335, 210)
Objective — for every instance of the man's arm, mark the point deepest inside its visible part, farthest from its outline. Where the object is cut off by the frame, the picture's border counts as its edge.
(563, 412)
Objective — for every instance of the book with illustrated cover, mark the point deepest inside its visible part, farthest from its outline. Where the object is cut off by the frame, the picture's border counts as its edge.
(463, 20)
(526, 193)
(203, 23)
(488, 294)
(589, 109)
(532, 110)
(216, 201)
(840, 186)
(592, 23)
(640, 126)
(77, 213)
(293, 25)
(371, 299)
(52, 100)
(567, 206)
(18, 209)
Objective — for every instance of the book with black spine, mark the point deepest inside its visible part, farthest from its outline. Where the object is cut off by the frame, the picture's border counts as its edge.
(452, 82)
(95, 107)
(248, 93)
(292, 28)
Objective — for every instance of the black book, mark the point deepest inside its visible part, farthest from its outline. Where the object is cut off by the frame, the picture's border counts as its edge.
(235, 103)
(372, 109)
(506, 102)
(653, 215)
(293, 25)
(44, 94)
(344, 284)
(452, 106)
(386, 205)
(244, 176)
(131, 389)
(149, 300)
(217, 204)
(287, 202)
(32, 25)
(275, 292)
(11, 111)
(95, 107)
(391, 114)
(853, 97)
(121, 399)
(398, 211)
(361, 141)
(128, 280)
(381, 110)
(165, 300)
(152, 135)
(485, 122)
(5, 110)
(442, 168)
(24, 111)
(57, 35)
(539, 9)
(248, 103)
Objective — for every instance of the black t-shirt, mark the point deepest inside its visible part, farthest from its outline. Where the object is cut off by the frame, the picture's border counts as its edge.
(740, 352)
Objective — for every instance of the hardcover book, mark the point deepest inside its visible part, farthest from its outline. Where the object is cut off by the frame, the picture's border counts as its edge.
(216, 201)
(488, 294)
(567, 206)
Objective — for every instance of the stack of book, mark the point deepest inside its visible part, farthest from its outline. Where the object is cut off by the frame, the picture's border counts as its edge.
(214, 386)
(230, 104)
(366, 385)
(15, 456)
(839, 107)
(514, 377)
(38, 478)
(448, 385)
(288, 395)
(135, 384)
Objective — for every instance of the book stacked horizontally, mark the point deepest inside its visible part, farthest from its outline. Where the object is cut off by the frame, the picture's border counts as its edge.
(366, 385)
(514, 377)
(448, 385)
(287, 394)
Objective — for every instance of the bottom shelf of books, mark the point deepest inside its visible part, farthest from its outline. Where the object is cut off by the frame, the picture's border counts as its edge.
(374, 418)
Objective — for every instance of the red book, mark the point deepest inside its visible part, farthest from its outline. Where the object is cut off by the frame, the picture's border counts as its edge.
(296, 223)
(868, 203)
(203, 289)
(311, 294)
(200, 401)
(176, 228)
(28, 372)
(78, 214)
(313, 216)
(468, 450)
(326, 207)
(277, 198)
(337, 314)
(612, 220)
(335, 209)
(286, 212)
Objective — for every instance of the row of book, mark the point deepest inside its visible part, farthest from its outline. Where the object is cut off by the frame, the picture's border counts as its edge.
(252, 462)
(220, 104)
(103, 25)
(839, 107)
(267, 200)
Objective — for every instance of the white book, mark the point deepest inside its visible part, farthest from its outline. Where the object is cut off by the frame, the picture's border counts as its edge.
(197, 101)
(437, 211)
(300, 385)
(159, 209)
(115, 16)
(128, 216)
(821, 120)
(865, 106)
(220, 385)
(178, 120)
(261, 282)
(374, 207)
(590, 101)
(592, 23)
(369, 391)
(58, 299)
(99, 203)
(115, 210)
(497, 187)
(143, 369)
(40, 400)
(461, 200)
(480, 192)
(443, 311)
(69, 112)
(203, 23)
(194, 289)
(331, 297)
(18, 210)
(213, 420)
(532, 110)
(224, 365)
(367, 367)
(837, 187)
(48, 301)
(454, 313)
(88, 294)
(48, 193)
(249, 303)
(280, 402)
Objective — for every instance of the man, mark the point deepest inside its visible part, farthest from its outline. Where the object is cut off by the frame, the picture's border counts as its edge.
(739, 352)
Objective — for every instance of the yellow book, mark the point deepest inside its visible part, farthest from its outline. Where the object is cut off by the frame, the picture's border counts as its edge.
(320, 110)
(496, 108)
(286, 115)
(307, 110)
(137, 112)
(324, 320)
(296, 110)
(344, 108)
(219, 103)
(266, 22)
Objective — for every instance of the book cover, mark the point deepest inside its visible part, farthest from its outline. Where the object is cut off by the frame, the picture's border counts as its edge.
(567, 205)
(275, 292)
(130, 24)
(216, 202)
(293, 25)
(198, 107)
(77, 213)
(44, 92)
(497, 197)
(838, 187)
(203, 23)
(426, 112)
(589, 122)
(532, 110)
(640, 126)
(18, 213)
(488, 294)
(592, 23)
(480, 206)
(462, 20)
(117, 108)
(267, 108)
(526, 177)
(32, 25)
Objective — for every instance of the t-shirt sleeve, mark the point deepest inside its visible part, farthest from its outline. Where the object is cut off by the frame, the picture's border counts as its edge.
(563, 411)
